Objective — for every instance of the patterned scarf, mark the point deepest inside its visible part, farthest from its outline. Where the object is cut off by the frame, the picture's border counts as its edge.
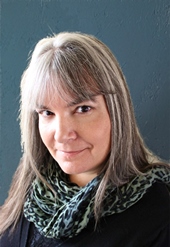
(69, 211)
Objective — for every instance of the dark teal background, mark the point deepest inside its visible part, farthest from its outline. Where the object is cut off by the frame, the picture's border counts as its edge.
(138, 33)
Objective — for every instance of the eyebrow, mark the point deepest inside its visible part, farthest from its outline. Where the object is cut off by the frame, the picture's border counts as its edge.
(71, 103)
(42, 107)
(79, 101)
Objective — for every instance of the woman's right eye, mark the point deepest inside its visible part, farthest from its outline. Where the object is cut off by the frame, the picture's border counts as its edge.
(45, 113)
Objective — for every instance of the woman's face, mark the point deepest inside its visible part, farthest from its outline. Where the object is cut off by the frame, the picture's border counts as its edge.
(77, 135)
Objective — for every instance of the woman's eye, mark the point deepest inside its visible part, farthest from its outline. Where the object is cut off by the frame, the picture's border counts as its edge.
(45, 113)
(83, 109)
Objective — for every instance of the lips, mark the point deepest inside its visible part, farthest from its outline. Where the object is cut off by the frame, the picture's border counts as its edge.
(71, 153)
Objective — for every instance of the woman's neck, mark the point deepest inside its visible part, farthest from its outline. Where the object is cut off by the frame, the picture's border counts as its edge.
(81, 179)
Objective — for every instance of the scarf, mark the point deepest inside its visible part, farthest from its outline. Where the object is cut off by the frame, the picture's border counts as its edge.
(69, 211)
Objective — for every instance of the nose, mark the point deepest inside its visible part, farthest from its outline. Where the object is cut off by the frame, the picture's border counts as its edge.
(65, 129)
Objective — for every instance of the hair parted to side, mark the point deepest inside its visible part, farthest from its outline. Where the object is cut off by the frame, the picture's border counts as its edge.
(77, 66)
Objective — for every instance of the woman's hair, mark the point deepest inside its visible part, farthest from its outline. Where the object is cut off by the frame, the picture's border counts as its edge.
(77, 66)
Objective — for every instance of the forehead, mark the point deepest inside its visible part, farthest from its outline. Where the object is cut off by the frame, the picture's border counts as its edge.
(69, 91)
(67, 101)
(72, 86)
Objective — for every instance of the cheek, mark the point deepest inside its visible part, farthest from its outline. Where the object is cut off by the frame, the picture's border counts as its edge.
(45, 134)
(100, 134)
(106, 136)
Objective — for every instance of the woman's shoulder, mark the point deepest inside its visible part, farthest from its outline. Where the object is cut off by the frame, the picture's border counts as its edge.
(152, 207)
(157, 197)
(16, 237)
(146, 223)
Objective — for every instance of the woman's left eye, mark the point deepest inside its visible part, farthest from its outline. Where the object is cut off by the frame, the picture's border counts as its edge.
(83, 109)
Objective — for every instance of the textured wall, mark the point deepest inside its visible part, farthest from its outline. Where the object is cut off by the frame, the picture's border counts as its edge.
(138, 32)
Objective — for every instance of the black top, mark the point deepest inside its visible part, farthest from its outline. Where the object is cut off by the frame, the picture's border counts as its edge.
(145, 224)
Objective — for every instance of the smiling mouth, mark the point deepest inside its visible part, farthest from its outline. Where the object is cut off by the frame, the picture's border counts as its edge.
(71, 153)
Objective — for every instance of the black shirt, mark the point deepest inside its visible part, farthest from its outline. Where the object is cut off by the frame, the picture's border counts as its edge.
(145, 224)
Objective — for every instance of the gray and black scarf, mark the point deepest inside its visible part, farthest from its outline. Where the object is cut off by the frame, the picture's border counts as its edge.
(69, 211)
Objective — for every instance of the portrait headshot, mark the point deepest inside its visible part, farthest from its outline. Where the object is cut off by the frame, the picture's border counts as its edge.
(85, 135)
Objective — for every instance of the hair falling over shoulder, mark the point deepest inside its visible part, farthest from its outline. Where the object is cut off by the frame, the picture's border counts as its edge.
(79, 66)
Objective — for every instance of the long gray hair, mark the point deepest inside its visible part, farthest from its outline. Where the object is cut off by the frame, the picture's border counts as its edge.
(77, 66)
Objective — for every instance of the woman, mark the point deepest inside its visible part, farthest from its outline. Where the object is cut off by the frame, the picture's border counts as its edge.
(86, 178)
